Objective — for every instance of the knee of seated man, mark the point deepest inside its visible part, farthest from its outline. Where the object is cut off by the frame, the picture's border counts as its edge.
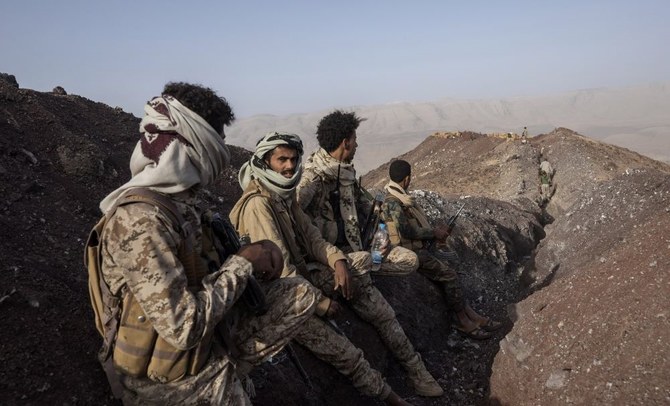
(404, 259)
(360, 263)
(300, 293)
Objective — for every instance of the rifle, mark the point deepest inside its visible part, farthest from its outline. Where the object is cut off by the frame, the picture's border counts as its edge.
(252, 296)
(333, 324)
(452, 220)
(296, 362)
(432, 245)
(371, 222)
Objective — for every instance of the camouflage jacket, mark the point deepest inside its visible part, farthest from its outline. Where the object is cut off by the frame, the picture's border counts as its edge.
(313, 195)
(261, 215)
(139, 247)
(403, 228)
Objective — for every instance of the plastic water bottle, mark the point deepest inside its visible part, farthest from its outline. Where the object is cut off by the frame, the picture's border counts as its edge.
(379, 242)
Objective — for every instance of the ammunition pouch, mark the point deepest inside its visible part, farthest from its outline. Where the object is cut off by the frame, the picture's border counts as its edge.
(397, 239)
(140, 352)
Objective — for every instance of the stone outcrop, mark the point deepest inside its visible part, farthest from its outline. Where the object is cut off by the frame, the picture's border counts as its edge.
(585, 311)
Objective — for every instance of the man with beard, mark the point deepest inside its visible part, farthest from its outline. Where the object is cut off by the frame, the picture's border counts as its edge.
(169, 339)
(268, 210)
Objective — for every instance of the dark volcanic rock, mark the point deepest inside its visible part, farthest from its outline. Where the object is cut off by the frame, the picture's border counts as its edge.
(59, 91)
(593, 331)
(10, 79)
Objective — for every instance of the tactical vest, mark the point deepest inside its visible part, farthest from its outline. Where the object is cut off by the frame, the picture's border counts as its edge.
(283, 218)
(395, 236)
(129, 337)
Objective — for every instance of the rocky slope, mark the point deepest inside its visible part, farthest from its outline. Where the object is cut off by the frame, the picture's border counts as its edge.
(602, 263)
(593, 329)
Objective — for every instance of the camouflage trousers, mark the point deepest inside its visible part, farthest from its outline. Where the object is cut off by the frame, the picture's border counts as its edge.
(437, 271)
(291, 303)
(371, 306)
(400, 261)
(338, 351)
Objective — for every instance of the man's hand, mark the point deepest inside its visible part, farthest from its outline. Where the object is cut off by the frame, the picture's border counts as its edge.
(441, 232)
(343, 278)
(266, 259)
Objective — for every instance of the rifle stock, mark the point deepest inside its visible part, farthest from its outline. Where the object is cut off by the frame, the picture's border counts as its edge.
(372, 221)
(253, 295)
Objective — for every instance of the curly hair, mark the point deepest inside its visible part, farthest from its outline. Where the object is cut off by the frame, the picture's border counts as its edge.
(336, 127)
(203, 101)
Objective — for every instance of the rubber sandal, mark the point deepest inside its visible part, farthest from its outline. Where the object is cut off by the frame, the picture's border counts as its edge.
(491, 325)
(476, 333)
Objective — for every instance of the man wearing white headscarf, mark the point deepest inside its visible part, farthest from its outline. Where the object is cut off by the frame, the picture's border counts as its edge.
(174, 344)
(268, 210)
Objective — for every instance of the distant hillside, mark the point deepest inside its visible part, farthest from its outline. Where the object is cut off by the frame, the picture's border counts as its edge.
(503, 169)
(635, 117)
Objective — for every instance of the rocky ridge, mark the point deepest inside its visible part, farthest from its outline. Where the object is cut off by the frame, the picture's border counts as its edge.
(593, 327)
(62, 153)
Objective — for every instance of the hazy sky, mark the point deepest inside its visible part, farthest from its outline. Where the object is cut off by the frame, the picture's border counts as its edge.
(282, 57)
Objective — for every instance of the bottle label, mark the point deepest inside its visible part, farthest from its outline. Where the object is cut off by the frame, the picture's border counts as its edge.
(376, 257)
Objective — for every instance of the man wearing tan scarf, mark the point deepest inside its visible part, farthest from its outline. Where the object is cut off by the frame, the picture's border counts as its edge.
(409, 227)
(268, 210)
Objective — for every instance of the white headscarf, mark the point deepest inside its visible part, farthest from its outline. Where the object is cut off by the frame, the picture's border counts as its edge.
(178, 149)
(257, 168)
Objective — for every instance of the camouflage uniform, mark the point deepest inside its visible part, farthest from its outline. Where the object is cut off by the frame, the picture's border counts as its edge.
(429, 265)
(264, 215)
(139, 247)
(313, 194)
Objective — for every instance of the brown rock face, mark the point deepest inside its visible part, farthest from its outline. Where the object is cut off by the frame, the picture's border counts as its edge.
(587, 326)
(597, 333)
(594, 327)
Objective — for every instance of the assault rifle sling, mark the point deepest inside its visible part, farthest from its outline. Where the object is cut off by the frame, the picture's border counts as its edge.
(252, 296)
(369, 227)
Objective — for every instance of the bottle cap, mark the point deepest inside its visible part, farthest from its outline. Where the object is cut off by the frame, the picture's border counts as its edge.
(382, 226)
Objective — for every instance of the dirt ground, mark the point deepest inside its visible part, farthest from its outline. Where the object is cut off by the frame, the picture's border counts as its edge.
(60, 154)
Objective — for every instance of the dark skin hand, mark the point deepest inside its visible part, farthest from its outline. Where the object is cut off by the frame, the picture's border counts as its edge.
(441, 232)
(266, 259)
(343, 278)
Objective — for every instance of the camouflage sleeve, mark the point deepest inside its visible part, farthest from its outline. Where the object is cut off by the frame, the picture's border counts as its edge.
(318, 247)
(143, 246)
(393, 210)
(363, 200)
(307, 188)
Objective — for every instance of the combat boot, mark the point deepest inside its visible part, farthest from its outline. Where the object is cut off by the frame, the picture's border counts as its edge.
(423, 382)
